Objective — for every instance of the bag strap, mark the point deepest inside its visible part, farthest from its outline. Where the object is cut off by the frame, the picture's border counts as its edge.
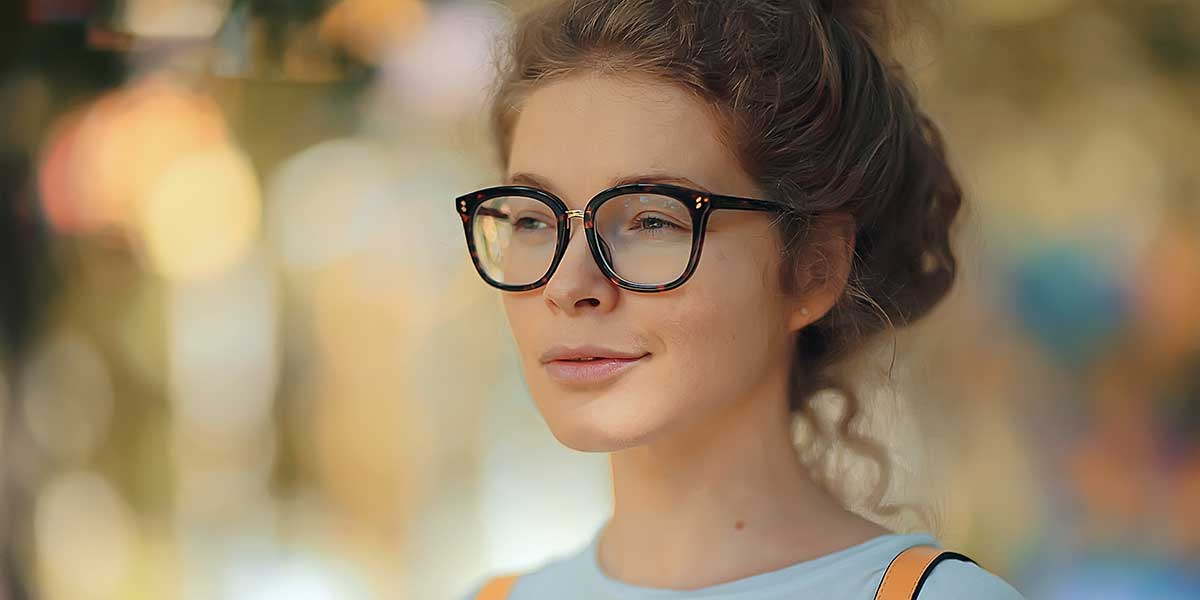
(908, 570)
(497, 588)
(901, 581)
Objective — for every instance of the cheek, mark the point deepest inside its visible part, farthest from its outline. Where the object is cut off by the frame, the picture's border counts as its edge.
(715, 327)
(526, 314)
(720, 333)
(517, 313)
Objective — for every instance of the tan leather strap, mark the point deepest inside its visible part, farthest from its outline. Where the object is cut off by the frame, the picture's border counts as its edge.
(906, 574)
(497, 589)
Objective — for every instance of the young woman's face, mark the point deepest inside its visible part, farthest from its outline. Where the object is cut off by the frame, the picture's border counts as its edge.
(704, 346)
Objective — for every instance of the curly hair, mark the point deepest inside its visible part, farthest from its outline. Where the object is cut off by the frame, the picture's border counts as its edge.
(818, 114)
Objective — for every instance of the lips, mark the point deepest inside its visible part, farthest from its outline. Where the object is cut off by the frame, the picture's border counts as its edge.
(589, 365)
(585, 353)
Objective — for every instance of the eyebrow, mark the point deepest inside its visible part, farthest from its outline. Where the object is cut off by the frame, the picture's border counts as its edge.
(652, 177)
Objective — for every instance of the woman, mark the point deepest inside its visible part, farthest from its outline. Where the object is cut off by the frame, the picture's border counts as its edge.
(759, 195)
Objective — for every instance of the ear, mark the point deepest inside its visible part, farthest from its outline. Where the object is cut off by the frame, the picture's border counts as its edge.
(823, 268)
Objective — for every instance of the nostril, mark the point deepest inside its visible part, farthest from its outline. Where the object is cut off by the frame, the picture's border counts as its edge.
(592, 301)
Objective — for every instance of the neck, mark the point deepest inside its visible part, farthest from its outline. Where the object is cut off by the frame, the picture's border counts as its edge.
(724, 498)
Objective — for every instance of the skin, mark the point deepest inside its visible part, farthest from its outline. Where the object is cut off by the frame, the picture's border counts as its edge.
(707, 485)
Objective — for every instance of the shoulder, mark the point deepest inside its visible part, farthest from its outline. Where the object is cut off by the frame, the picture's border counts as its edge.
(953, 579)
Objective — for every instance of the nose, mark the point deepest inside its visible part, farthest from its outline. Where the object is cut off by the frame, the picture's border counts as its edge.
(578, 283)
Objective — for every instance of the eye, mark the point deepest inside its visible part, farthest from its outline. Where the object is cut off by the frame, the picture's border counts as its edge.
(653, 222)
(529, 224)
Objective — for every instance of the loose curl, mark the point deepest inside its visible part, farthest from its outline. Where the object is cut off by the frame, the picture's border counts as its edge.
(817, 114)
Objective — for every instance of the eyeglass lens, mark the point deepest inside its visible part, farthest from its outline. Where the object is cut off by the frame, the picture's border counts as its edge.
(646, 238)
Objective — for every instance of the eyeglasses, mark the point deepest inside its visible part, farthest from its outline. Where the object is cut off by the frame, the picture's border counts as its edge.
(645, 237)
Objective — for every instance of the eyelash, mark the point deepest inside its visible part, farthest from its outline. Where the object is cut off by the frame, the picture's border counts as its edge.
(668, 224)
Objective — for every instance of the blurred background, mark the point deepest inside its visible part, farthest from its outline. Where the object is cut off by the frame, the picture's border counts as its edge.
(244, 355)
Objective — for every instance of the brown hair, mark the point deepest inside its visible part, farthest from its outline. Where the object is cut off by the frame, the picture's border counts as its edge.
(819, 116)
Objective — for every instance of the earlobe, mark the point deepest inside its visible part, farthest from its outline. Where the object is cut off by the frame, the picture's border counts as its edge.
(800, 318)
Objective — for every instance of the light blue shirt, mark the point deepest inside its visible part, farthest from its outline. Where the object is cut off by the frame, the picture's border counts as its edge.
(853, 573)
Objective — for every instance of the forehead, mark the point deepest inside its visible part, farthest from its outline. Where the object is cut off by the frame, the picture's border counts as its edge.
(581, 132)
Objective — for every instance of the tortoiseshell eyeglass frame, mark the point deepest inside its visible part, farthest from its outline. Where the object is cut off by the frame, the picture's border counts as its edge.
(700, 204)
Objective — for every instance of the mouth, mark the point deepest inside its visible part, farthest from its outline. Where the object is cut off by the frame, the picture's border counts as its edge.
(591, 370)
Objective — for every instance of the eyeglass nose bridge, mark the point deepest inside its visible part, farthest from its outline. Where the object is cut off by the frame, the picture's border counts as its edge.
(576, 213)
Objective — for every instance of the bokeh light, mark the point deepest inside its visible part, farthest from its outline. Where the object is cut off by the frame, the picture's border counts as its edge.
(67, 397)
(174, 18)
(443, 69)
(202, 214)
(368, 29)
(222, 351)
(157, 121)
(324, 204)
(86, 537)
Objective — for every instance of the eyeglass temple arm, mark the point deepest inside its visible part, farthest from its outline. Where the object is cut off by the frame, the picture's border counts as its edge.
(735, 203)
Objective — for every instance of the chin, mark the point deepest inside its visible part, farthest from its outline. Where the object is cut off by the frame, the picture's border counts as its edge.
(586, 439)
(600, 425)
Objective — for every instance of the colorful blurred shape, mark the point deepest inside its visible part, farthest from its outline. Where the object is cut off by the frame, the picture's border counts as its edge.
(1069, 302)
(202, 214)
(175, 19)
(367, 29)
(100, 163)
(59, 11)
